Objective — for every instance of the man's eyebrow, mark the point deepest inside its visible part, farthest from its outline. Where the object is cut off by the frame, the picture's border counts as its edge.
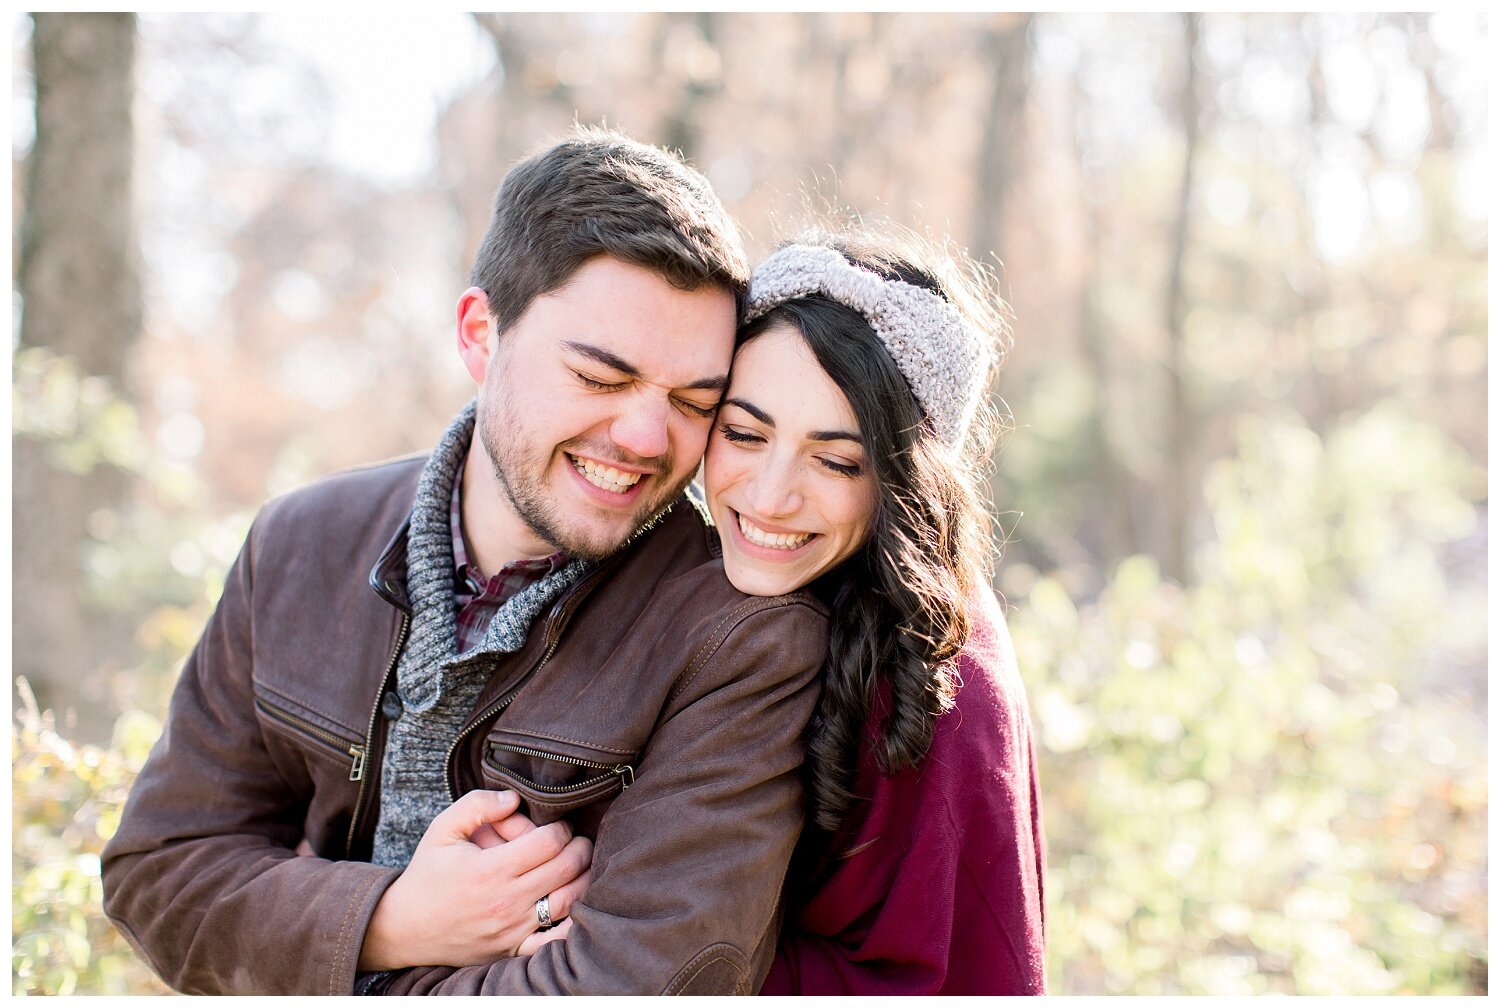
(716, 383)
(603, 356)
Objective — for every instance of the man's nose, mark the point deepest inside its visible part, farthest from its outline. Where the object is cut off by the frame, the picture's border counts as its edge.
(641, 428)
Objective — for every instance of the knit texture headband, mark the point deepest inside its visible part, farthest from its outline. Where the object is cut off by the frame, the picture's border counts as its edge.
(943, 360)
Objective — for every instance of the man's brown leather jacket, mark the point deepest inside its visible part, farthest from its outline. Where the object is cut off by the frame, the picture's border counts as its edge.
(656, 708)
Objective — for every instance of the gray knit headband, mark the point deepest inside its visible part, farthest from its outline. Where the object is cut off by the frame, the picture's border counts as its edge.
(943, 360)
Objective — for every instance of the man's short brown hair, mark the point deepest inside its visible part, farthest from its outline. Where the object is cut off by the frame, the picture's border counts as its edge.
(599, 192)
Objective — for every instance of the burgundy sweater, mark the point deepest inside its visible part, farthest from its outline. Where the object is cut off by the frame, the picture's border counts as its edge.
(940, 887)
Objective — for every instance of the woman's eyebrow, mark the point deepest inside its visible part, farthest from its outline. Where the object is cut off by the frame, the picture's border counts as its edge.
(765, 418)
(753, 410)
(836, 435)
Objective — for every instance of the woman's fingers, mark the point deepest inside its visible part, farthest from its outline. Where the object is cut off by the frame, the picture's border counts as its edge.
(540, 938)
(494, 834)
(556, 873)
(560, 900)
(485, 837)
(514, 827)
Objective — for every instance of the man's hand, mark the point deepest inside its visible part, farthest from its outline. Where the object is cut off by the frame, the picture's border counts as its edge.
(469, 895)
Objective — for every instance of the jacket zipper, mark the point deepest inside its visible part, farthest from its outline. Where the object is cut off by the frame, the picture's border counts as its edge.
(624, 771)
(556, 619)
(355, 750)
(359, 799)
(495, 708)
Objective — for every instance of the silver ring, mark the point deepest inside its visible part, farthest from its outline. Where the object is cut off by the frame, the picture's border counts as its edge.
(543, 913)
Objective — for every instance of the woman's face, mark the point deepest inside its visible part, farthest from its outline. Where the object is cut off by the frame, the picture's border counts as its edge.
(789, 483)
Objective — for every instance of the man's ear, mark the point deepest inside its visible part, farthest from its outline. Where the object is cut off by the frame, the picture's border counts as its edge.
(474, 332)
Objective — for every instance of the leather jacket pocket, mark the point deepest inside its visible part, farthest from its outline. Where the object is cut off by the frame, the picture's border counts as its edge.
(553, 778)
(336, 744)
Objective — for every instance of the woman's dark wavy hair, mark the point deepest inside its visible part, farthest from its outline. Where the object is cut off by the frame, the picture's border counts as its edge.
(900, 603)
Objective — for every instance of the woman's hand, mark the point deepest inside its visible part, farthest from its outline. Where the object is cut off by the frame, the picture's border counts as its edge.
(536, 941)
(559, 903)
(469, 895)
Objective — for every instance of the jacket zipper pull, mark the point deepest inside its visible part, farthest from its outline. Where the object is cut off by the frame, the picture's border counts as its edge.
(357, 771)
(627, 775)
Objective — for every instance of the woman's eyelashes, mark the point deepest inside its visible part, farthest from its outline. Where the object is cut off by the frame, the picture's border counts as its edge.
(739, 436)
(841, 467)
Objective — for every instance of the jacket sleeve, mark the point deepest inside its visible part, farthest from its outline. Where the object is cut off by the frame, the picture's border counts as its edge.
(690, 859)
(201, 877)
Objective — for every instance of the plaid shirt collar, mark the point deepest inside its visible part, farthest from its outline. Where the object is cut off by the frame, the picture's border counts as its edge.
(469, 582)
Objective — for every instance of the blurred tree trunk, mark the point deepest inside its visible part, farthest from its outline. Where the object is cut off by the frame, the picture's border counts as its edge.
(81, 298)
(526, 82)
(823, 62)
(1179, 412)
(507, 130)
(1316, 402)
(696, 70)
(1116, 531)
(531, 103)
(1003, 47)
(1418, 32)
(839, 29)
(78, 252)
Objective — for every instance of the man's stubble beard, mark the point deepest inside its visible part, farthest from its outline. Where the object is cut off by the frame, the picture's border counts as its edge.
(524, 484)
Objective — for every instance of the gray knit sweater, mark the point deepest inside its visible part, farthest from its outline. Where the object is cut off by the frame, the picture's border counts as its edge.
(439, 687)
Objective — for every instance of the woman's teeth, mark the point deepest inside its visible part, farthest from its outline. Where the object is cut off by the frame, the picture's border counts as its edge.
(605, 477)
(772, 540)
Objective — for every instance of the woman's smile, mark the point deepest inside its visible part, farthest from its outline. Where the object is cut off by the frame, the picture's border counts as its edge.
(756, 535)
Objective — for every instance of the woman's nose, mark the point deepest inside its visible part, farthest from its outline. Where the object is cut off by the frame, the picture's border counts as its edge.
(774, 492)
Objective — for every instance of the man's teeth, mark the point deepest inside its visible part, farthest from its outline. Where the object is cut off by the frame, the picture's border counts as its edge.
(772, 540)
(605, 477)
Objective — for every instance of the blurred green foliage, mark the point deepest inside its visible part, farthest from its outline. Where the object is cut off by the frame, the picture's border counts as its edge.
(67, 802)
(161, 556)
(1275, 781)
(84, 422)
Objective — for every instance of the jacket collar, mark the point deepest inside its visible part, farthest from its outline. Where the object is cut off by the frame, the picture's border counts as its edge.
(388, 576)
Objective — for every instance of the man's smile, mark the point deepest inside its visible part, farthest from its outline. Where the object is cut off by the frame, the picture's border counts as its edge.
(603, 476)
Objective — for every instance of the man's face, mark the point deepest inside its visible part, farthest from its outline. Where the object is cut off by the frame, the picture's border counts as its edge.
(597, 402)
